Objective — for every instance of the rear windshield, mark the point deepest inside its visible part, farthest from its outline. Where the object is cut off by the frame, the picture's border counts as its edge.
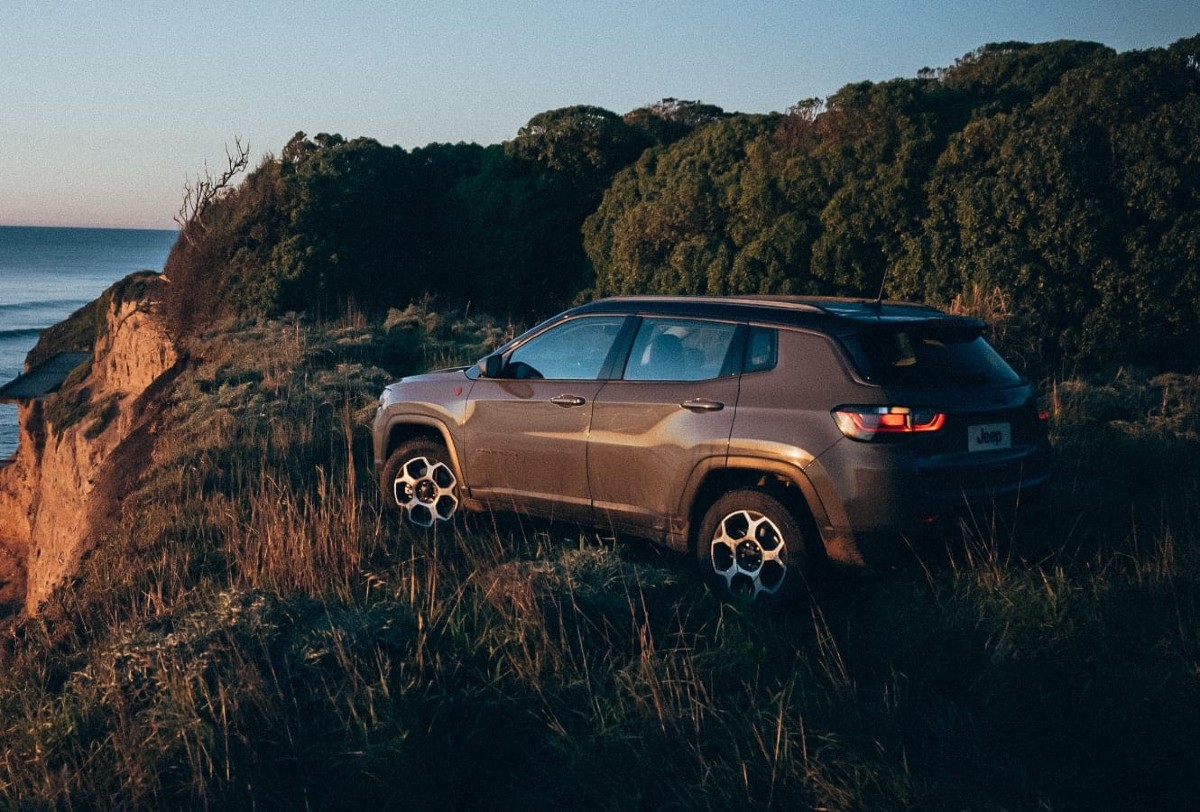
(927, 356)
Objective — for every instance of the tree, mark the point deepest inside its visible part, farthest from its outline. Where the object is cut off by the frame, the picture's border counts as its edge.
(671, 119)
(587, 145)
(205, 189)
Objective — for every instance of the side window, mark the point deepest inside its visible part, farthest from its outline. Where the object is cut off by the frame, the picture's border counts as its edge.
(762, 348)
(573, 350)
(679, 350)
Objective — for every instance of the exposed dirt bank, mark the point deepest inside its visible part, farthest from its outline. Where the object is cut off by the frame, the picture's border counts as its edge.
(81, 448)
(12, 579)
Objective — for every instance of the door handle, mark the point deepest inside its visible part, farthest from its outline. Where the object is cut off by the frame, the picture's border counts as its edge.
(702, 405)
(568, 400)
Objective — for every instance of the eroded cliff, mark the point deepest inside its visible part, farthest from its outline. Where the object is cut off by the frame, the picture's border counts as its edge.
(80, 448)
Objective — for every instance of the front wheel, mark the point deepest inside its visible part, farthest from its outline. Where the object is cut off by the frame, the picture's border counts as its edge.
(750, 545)
(418, 481)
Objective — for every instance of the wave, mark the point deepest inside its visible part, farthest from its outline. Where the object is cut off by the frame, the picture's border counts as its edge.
(69, 305)
(21, 332)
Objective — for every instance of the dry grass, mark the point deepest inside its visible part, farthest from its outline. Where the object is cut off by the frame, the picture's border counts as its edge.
(257, 634)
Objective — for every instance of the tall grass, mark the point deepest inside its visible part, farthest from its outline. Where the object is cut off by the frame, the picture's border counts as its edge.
(257, 633)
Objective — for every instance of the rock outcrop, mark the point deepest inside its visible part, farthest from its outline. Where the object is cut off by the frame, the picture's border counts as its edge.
(52, 505)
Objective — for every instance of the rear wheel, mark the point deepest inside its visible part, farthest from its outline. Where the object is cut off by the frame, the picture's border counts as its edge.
(750, 546)
(419, 482)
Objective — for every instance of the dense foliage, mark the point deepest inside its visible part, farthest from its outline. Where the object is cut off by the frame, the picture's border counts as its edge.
(332, 221)
(1060, 179)
(1063, 175)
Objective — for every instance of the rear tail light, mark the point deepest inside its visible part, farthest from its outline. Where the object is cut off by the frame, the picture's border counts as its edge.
(886, 422)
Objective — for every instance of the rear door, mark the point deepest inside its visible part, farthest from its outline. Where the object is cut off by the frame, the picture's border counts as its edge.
(670, 412)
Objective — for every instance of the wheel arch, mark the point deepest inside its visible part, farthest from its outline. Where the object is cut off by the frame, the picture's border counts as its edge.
(407, 429)
(785, 482)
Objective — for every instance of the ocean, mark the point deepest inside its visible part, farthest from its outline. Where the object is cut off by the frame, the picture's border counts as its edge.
(48, 273)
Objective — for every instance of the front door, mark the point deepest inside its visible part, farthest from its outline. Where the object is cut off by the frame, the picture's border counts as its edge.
(527, 431)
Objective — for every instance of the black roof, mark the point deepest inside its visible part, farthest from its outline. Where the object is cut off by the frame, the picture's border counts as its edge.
(818, 312)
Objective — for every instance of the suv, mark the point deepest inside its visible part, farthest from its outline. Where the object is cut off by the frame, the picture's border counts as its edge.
(762, 434)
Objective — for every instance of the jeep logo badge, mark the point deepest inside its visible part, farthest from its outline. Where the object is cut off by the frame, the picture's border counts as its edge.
(989, 437)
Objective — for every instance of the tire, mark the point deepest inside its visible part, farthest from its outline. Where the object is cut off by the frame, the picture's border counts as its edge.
(418, 481)
(750, 547)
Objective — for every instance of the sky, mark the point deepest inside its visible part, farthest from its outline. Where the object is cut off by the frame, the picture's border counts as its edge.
(106, 108)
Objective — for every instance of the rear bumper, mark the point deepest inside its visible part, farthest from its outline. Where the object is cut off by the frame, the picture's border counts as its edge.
(985, 522)
(900, 507)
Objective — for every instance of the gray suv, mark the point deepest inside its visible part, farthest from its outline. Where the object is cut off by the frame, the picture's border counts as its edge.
(761, 434)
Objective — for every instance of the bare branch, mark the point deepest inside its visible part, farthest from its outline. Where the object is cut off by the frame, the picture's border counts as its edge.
(201, 192)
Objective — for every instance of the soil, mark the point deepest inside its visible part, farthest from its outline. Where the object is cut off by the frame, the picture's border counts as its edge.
(12, 581)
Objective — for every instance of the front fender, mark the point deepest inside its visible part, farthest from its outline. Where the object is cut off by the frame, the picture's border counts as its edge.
(399, 428)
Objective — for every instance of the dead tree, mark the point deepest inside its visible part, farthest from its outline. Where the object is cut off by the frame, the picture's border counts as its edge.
(199, 193)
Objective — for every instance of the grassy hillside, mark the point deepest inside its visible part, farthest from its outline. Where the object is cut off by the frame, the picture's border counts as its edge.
(254, 632)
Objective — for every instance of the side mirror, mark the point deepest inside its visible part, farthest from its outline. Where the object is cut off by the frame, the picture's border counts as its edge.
(493, 366)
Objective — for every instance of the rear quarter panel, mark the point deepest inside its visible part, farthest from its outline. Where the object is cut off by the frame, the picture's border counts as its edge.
(783, 416)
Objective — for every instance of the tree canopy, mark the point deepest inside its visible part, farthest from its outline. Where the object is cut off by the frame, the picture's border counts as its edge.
(1059, 179)
(1064, 176)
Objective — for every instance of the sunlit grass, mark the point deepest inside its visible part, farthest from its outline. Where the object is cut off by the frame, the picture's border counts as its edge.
(257, 632)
